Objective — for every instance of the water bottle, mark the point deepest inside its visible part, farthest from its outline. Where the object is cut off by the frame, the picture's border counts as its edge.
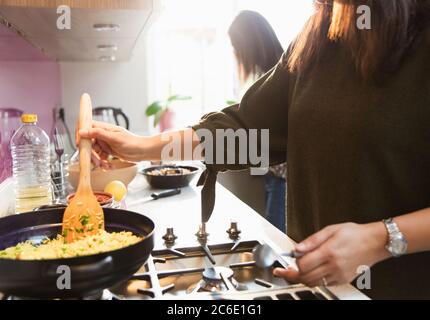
(31, 165)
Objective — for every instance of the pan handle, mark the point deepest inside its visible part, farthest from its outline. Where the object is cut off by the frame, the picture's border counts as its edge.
(89, 269)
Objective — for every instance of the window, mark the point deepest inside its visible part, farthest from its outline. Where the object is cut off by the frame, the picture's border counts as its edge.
(190, 51)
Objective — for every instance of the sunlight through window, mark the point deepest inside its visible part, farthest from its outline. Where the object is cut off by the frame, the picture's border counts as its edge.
(190, 51)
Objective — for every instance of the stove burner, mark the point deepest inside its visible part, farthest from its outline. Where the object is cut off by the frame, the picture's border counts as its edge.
(214, 273)
(215, 279)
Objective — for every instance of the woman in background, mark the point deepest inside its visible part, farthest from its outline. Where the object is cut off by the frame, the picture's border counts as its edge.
(257, 50)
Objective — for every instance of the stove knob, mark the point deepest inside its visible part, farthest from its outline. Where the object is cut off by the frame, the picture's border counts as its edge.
(169, 238)
(233, 231)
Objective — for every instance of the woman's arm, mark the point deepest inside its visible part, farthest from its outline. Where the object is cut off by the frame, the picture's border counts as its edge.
(336, 252)
(264, 107)
(113, 140)
(261, 122)
(416, 228)
(185, 140)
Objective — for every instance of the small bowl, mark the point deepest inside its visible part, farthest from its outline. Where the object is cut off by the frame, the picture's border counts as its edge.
(105, 199)
(122, 171)
(169, 181)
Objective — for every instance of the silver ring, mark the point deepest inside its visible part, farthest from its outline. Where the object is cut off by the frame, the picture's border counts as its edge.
(324, 281)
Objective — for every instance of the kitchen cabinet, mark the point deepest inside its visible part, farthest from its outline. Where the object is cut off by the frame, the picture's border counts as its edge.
(36, 21)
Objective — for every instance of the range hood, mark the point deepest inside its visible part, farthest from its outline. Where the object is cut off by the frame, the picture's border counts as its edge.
(100, 30)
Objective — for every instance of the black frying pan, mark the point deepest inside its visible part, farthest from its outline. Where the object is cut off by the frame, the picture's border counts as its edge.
(169, 181)
(89, 274)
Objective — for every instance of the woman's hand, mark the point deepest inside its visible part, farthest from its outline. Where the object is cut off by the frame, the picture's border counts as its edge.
(333, 255)
(114, 140)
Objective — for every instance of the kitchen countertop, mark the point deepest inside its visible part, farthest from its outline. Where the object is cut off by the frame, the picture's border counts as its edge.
(182, 212)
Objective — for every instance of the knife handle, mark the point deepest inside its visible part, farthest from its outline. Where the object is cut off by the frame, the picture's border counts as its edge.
(165, 194)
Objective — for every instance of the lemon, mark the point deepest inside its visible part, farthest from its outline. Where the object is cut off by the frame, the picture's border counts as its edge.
(117, 189)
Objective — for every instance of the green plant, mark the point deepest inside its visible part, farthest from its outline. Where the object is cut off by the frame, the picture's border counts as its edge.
(231, 102)
(158, 108)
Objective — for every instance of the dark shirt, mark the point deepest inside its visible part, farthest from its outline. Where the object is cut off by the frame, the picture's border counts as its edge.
(356, 150)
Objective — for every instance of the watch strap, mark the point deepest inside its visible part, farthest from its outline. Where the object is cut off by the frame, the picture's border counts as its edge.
(394, 234)
(391, 226)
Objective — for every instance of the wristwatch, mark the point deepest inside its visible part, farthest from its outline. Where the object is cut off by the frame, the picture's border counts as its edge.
(397, 244)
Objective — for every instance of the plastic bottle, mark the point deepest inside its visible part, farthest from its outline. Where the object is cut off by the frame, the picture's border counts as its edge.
(31, 165)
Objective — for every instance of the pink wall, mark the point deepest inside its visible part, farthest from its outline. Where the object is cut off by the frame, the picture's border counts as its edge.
(29, 80)
(33, 87)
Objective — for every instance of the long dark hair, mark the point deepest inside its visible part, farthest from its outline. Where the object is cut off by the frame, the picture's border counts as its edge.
(255, 42)
(395, 25)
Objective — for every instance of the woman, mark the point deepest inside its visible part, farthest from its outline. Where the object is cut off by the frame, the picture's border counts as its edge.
(351, 106)
(257, 50)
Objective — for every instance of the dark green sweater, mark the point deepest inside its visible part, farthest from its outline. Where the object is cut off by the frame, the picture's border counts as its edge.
(356, 151)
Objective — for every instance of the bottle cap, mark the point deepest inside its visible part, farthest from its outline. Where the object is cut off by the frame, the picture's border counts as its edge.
(29, 118)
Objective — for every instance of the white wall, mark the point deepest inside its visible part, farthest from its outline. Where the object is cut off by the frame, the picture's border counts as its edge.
(118, 84)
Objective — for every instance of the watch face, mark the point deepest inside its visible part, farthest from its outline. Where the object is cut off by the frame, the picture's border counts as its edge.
(398, 245)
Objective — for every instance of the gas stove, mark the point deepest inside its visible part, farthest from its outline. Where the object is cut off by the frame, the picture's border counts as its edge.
(215, 271)
(229, 273)
(222, 271)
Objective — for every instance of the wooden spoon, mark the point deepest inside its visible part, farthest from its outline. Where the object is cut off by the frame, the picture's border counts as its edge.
(84, 215)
